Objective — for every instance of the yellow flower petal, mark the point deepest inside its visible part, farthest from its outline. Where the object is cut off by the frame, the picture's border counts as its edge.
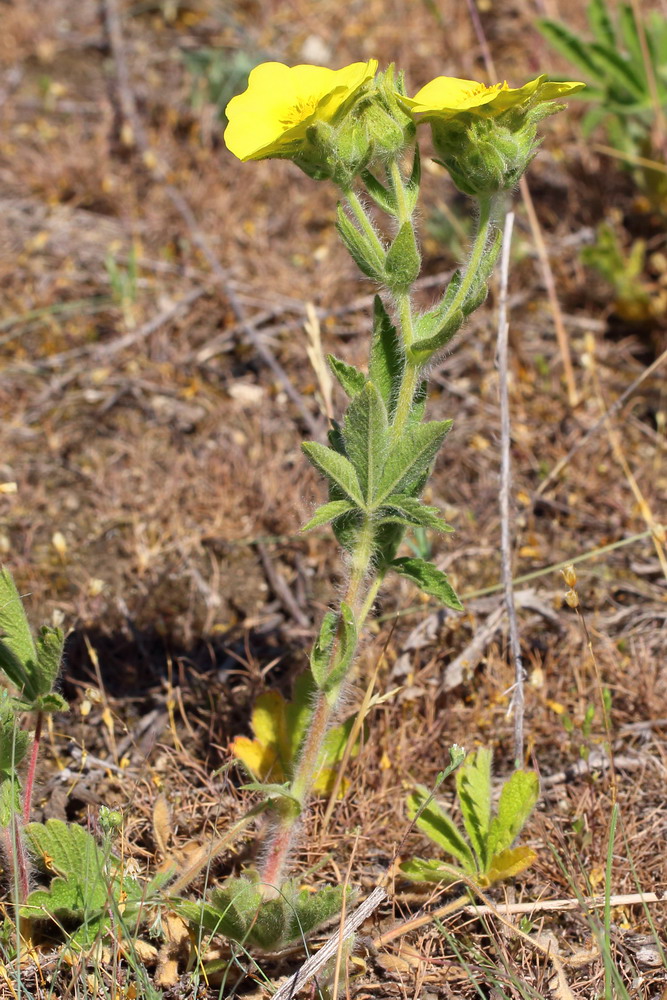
(447, 96)
(270, 118)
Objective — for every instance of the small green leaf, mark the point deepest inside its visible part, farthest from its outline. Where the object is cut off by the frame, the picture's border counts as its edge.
(387, 362)
(328, 512)
(413, 182)
(423, 870)
(360, 247)
(381, 195)
(429, 579)
(347, 645)
(473, 786)
(68, 849)
(411, 458)
(309, 910)
(403, 260)
(518, 798)
(271, 790)
(446, 329)
(321, 652)
(50, 643)
(412, 511)
(439, 827)
(366, 438)
(350, 378)
(336, 468)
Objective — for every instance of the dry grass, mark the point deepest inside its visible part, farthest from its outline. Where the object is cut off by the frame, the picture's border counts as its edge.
(163, 463)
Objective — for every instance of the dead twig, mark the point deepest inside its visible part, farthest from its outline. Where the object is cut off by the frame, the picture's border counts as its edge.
(505, 486)
(280, 588)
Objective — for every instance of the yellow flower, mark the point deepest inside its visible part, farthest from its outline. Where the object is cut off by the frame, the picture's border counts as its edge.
(271, 117)
(446, 96)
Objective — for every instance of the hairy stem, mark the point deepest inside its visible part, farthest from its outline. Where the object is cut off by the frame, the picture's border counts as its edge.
(484, 224)
(32, 768)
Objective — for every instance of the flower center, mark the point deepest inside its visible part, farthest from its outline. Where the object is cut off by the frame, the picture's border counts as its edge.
(302, 109)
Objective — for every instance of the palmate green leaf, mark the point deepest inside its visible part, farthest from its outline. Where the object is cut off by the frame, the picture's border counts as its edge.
(600, 22)
(411, 458)
(328, 512)
(365, 432)
(570, 46)
(517, 800)
(336, 468)
(68, 899)
(440, 828)
(411, 511)
(429, 579)
(473, 786)
(69, 850)
(629, 34)
(403, 261)
(363, 251)
(350, 378)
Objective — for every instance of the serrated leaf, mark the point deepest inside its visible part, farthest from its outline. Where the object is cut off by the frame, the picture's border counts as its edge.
(336, 468)
(473, 786)
(429, 579)
(381, 195)
(411, 458)
(50, 643)
(570, 46)
(67, 899)
(309, 910)
(69, 850)
(14, 623)
(366, 438)
(440, 828)
(413, 511)
(320, 656)
(509, 863)
(429, 870)
(328, 512)
(362, 250)
(51, 702)
(403, 261)
(386, 362)
(517, 800)
(350, 378)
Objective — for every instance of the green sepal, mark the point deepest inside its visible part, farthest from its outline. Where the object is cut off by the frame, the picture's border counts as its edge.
(473, 787)
(320, 655)
(336, 467)
(362, 250)
(429, 579)
(411, 511)
(328, 512)
(412, 458)
(350, 378)
(365, 432)
(403, 261)
(447, 328)
(386, 363)
(382, 196)
(439, 827)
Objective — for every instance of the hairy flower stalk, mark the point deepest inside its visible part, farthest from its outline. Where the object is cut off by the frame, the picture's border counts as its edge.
(356, 126)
